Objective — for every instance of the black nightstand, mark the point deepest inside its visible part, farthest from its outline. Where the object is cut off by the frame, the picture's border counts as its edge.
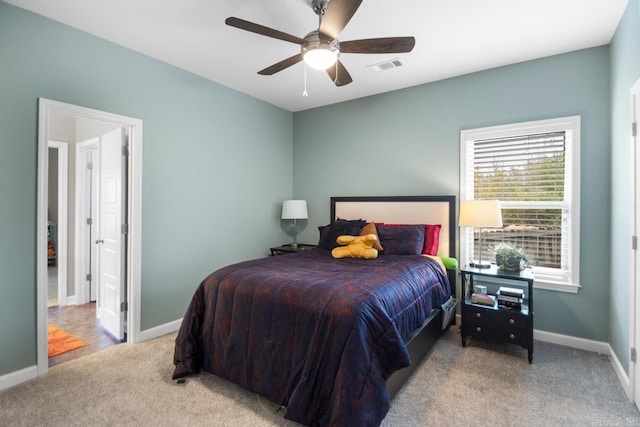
(289, 249)
(496, 323)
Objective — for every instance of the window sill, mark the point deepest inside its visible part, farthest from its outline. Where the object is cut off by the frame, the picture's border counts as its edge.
(555, 286)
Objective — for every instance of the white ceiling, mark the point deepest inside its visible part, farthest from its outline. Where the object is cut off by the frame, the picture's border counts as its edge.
(453, 37)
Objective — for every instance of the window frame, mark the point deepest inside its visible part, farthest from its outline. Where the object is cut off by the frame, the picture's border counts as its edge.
(546, 278)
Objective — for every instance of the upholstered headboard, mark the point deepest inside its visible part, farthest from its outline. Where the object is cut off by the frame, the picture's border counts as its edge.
(403, 210)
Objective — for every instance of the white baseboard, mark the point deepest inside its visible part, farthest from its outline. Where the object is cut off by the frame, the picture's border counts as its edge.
(161, 330)
(621, 374)
(575, 342)
(18, 377)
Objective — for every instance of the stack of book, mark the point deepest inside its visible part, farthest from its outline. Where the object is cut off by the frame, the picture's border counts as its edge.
(510, 297)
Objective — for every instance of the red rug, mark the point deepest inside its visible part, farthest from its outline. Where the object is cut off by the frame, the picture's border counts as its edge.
(61, 342)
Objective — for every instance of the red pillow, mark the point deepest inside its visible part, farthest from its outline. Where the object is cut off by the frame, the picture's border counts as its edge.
(431, 239)
(431, 236)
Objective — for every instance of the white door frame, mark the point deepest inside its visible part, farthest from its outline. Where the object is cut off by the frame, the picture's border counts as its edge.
(134, 218)
(634, 286)
(62, 149)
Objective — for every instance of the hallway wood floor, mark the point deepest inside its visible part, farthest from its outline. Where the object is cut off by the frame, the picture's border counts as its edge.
(80, 321)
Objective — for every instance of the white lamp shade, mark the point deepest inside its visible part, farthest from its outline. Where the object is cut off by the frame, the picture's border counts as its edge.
(480, 213)
(294, 209)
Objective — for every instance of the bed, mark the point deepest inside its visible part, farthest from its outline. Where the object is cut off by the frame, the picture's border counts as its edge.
(331, 340)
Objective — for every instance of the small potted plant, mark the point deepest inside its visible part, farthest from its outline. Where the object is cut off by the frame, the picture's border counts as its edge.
(510, 258)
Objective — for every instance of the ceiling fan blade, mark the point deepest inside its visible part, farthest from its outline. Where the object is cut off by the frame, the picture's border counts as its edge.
(285, 63)
(262, 30)
(339, 74)
(337, 16)
(380, 45)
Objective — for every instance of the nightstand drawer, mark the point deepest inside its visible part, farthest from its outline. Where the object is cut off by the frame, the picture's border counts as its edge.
(486, 331)
(505, 318)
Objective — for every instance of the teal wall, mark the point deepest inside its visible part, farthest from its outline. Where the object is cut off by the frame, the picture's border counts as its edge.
(216, 166)
(625, 71)
(407, 143)
(210, 180)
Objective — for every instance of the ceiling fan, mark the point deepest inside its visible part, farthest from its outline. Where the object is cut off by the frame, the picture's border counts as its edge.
(320, 49)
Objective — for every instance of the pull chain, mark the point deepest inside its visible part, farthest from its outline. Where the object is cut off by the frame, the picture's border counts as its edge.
(335, 81)
(304, 92)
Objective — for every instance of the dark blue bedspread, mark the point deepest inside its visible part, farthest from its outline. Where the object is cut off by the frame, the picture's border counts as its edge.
(309, 332)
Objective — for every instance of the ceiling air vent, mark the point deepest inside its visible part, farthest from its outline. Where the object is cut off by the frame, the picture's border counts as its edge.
(386, 65)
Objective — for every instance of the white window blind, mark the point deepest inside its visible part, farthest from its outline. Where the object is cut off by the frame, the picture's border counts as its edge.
(529, 167)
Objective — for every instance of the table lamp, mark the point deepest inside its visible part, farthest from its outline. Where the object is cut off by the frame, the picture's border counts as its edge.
(480, 213)
(295, 210)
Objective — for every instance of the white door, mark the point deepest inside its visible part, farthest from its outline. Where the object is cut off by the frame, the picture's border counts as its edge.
(111, 236)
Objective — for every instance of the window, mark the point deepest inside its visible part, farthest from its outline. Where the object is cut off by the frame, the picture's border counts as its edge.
(533, 168)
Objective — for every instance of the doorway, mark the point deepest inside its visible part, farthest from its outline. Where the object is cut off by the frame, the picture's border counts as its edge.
(57, 214)
(48, 111)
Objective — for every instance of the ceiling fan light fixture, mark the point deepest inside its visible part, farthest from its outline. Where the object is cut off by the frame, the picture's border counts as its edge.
(319, 51)
(320, 59)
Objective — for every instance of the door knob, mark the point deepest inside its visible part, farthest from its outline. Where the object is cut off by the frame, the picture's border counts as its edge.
(99, 241)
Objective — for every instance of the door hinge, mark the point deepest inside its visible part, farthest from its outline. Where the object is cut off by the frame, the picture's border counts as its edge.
(90, 165)
(634, 242)
(633, 354)
(634, 128)
(124, 306)
(89, 221)
(124, 228)
(89, 277)
(125, 150)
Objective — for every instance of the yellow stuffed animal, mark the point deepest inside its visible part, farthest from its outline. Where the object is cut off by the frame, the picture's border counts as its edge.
(356, 247)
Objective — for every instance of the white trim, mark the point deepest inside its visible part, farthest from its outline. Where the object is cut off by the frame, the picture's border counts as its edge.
(62, 249)
(41, 241)
(134, 261)
(556, 286)
(574, 342)
(135, 230)
(634, 297)
(569, 281)
(18, 377)
(161, 330)
(625, 382)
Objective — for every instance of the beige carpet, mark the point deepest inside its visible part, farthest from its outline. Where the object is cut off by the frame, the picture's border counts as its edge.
(480, 385)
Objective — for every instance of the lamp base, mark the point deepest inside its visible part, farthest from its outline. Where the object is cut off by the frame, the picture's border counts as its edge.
(479, 264)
